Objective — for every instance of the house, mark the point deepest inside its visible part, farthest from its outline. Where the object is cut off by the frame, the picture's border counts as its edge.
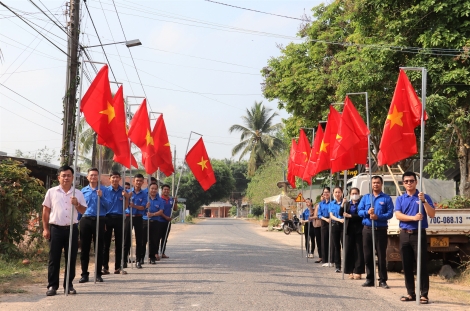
(216, 210)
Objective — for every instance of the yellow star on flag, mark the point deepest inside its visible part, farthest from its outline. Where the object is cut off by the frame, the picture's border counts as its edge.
(109, 112)
(167, 144)
(323, 146)
(395, 117)
(149, 138)
(306, 156)
(338, 137)
(203, 163)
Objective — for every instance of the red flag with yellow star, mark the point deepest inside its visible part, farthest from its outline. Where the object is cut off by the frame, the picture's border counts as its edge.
(350, 146)
(119, 142)
(199, 163)
(163, 156)
(291, 164)
(324, 156)
(140, 135)
(301, 156)
(97, 107)
(398, 139)
(311, 164)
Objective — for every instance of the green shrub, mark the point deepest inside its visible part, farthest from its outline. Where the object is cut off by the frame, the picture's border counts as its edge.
(188, 218)
(274, 222)
(250, 216)
(257, 210)
(233, 211)
(459, 202)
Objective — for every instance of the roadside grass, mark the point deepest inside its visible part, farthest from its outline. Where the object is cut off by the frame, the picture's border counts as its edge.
(13, 275)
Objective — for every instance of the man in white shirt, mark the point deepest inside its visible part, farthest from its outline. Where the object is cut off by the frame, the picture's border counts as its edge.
(57, 207)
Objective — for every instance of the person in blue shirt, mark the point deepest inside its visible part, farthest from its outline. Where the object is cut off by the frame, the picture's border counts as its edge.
(150, 217)
(168, 205)
(114, 217)
(88, 224)
(380, 211)
(137, 202)
(354, 261)
(145, 221)
(308, 228)
(407, 212)
(324, 216)
(337, 225)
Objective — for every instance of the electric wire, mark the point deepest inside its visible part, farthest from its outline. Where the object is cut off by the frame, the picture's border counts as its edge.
(30, 120)
(28, 108)
(37, 52)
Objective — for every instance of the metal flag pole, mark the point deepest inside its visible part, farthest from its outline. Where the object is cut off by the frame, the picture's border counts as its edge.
(369, 156)
(178, 184)
(345, 223)
(98, 214)
(130, 201)
(302, 235)
(123, 219)
(421, 164)
(329, 228)
(308, 223)
(75, 166)
(147, 256)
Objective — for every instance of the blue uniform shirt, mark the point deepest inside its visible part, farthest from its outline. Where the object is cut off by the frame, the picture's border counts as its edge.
(324, 209)
(138, 199)
(167, 206)
(334, 208)
(409, 205)
(306, 214)
(91, 198)
(383, 208)
(154, 207)
(116, 200)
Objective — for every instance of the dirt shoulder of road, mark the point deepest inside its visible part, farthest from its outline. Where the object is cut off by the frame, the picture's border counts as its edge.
(442, 293)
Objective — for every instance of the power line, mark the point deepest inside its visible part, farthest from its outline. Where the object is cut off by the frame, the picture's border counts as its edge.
(30, 101)
(28, 107)
(1, 3)
(238, 7)
(102, 47)
(31, 121)
(39, 53)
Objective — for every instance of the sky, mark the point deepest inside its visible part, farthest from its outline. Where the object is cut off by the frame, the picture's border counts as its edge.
(199, 64)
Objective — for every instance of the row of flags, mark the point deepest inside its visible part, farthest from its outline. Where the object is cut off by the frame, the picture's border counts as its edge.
(344, 143)
(106, 115)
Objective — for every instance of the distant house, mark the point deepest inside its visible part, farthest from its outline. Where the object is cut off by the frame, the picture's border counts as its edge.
(216, 210)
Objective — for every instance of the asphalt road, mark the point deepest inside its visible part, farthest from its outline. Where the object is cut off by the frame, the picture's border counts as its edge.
(218, 264)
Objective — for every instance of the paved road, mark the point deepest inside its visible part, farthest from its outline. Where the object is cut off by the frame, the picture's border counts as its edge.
(218, 264)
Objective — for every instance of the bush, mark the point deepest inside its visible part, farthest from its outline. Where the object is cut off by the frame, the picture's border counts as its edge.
(233, 211)
(459, 202)
(257, 210)
(188, 218)
(274, 222)
(250, 216)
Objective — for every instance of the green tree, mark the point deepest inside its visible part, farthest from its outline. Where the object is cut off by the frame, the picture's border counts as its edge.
(358, 46)
(45, 154)
(20, 202)
(239, 171)
(195, 196)
(257, 138)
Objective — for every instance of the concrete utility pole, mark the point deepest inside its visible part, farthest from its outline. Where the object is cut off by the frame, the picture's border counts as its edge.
(70, 98)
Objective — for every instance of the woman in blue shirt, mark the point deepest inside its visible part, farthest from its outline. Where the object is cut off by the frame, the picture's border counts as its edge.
(337, 225)
(324, 216)
(153, 206)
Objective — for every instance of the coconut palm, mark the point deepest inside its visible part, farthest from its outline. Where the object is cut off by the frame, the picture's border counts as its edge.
(257, 136)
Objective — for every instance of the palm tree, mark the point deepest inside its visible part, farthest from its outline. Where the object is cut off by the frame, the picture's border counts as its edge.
(257, 138)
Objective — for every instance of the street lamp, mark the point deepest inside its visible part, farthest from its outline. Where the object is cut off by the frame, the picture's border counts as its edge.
(129, 44)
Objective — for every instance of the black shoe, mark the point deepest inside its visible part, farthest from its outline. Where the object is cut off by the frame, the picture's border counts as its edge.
(383, 285)
(72, 290)
(84, 279)
(105, 271)
(138, 265)
(51, 291)
(368, 284)
(99, 279)
(118, 271)
(153, 261)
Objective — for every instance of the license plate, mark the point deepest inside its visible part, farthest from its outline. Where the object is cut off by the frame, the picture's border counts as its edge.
(439, 242)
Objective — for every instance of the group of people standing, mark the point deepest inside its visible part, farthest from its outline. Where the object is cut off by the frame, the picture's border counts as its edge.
(150, 212)
(356, 217)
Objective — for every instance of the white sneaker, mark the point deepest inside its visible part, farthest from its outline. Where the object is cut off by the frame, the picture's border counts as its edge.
(325, 265)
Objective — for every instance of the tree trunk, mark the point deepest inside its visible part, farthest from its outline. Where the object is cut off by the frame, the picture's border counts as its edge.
(464, 164)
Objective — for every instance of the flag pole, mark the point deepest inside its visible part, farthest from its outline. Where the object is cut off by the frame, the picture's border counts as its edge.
(329, 228)
(345, 220)
(123, 219)
(369, 156)
(308, 222)
(148, 221)
(98, 213)
(77, 136)
(302, 235)
(179, 179)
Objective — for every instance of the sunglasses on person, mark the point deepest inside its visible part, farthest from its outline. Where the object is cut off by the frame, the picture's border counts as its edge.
(409, 181)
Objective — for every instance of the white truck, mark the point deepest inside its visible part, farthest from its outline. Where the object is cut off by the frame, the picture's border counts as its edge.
(448, 232)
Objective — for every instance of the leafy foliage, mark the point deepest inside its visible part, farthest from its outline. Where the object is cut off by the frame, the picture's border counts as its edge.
(258, 137)
(21, 197)
(257, 210)
(45, 154)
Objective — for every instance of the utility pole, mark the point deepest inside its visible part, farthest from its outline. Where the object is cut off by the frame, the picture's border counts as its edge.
(72, 81)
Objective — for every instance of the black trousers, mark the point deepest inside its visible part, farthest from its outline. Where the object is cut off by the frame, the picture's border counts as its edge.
(325, 236)
(354, 262)
(113, 223)
(153, 245)
(381, 242)
(409, 253)
(137, 225)
(60, 240)
(163, 241)
(87, 235)
(337, 241)
(309, 238)
(161, 232)
(318, 237)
